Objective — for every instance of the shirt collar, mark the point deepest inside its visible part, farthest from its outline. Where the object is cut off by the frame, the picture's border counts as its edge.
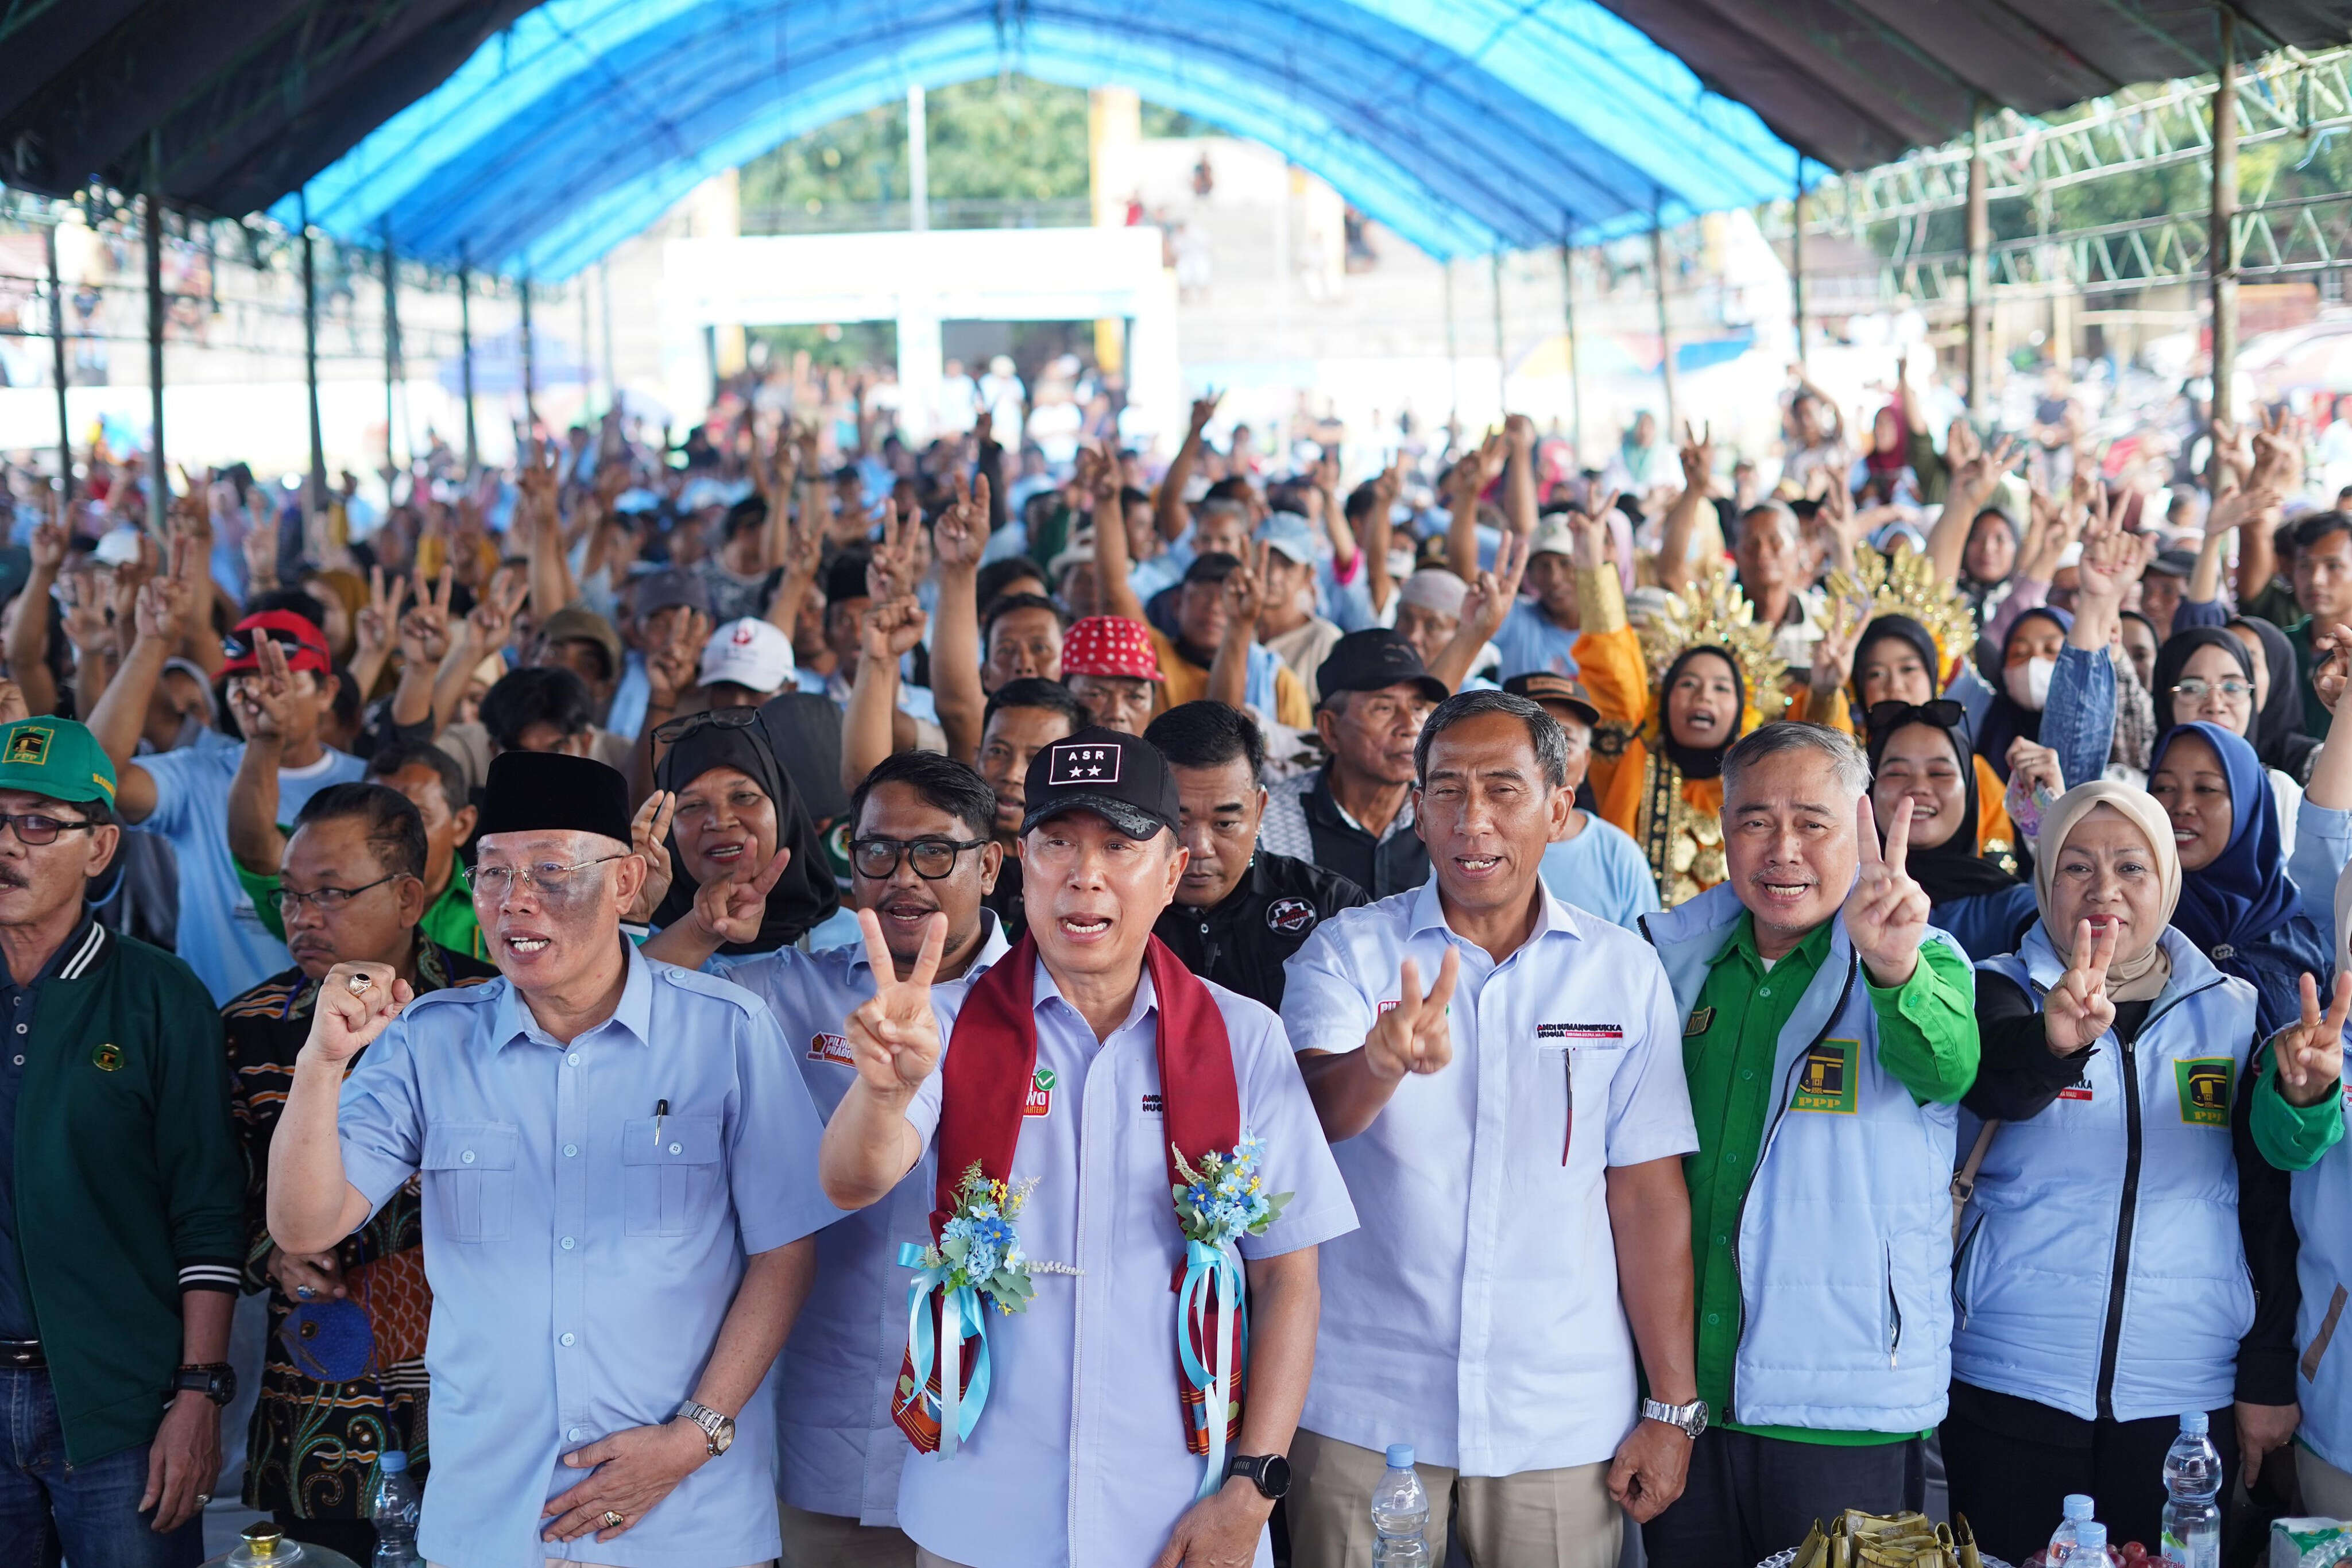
(70, 952)
(993, 946)
(513, 1018)
(1742, 941)
(1427, 913)
(1145, 997)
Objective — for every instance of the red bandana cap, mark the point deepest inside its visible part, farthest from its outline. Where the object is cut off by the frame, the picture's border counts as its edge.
(1109, 646)
(305, 645)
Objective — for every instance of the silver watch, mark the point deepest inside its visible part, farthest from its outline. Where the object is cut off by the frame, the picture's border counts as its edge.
(1690, 1417)
(718, 1431)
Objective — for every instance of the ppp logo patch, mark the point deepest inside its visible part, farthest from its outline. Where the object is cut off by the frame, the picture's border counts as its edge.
(1825, 1077)
(2204, 1087)
(1288, 914)
(29, 746)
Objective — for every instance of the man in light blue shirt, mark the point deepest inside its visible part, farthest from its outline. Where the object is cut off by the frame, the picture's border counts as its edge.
(1540, 634)
(620, 1196)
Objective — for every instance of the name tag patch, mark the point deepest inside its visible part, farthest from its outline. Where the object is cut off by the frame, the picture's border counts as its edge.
(1153, 1105)
(1041, 1094)
(2078, 1090)
(2204, 1087)
(831, 1048)
(1582, 1033)
(1700, 1022)
(1825, 1079)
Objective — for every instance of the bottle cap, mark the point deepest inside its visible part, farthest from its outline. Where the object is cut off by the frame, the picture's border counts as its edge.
(2090, 1535)
(1399, 1455)
(394, 1461)
(2078, 1507)
(2195, 1421)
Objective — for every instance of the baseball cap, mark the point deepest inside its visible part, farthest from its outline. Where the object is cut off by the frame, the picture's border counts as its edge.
(573, 624)
(659, 590)
(1553, 536)
(305, 645)
(2173, 563)
(1109, 646)
(1079, 552)
(1372, 660)
(749, 654)
(1122, 779)
(57, 758)
(1543, 687)
(1291, 534)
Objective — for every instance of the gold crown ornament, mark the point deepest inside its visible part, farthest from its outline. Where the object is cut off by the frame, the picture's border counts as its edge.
(1712, 613)
(1904, 583)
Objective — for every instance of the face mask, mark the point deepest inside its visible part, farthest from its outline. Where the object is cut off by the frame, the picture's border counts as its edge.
(2028, 684)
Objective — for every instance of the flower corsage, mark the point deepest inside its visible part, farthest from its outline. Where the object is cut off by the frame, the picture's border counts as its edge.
(977, 1262)
(1217, 1204)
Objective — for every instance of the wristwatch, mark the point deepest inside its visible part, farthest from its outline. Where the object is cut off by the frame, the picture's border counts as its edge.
(718, 1431)
(216, 1380)
(1270, 1473)
(1690, 1417)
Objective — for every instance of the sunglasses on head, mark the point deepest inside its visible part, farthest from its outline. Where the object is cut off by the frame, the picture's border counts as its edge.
(1944, 714)
(677, 730)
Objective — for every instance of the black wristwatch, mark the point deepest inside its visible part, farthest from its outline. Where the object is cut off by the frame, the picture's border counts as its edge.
(216, 1380)
(1270, 1473)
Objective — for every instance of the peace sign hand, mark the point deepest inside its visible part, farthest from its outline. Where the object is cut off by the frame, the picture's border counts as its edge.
(894, 1034)
(1414, 1036)
(2077, 1010)
(730, 909)
(2310, 1054)
(1886, 913)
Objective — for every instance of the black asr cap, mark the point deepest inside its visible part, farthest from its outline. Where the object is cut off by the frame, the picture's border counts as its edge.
(1121, 779)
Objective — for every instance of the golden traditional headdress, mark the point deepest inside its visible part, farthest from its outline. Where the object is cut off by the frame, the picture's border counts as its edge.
(1904, 583)
(1712, 613)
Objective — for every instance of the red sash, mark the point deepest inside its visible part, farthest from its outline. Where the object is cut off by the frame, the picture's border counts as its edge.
(985, 1081)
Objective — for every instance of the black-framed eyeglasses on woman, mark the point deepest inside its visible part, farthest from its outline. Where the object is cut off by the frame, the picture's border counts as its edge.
(35, 828)
(875, 859)
(669, 732)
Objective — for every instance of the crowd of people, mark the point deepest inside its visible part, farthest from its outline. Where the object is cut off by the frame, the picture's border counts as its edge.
(688, 978)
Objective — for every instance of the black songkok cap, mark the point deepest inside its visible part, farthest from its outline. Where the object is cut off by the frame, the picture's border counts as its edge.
(549, 791)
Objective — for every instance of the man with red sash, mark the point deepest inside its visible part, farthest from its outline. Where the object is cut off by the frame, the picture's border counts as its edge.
(1079, 1431)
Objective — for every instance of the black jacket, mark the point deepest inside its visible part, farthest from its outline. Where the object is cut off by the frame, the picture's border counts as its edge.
(1242, 941)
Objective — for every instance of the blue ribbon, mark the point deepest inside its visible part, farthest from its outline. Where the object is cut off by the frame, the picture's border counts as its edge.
(960, 1311)
(1211, 1275)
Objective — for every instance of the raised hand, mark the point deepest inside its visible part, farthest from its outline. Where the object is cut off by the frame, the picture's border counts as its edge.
(161, 611)
(85, 615)
(372, 628)
(1204, 409)
(2078, 1011)
(347, 1018)
(263, 700)
(1886, 914)
(1518, 434)
(962, 533)
(2310, 1053)
(891, 628)
(2035, 763)
(731, 910)
(1833, 652)
(893, 1034)
(425, 629)
(650, 837)
(1492, 592)
(1697, 456)
(1414, 1036)
(2329, 680)
(491, 621)
(48, 545)
(1245, 593)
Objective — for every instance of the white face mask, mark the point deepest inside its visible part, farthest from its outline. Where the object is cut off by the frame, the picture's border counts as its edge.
(2028, 684)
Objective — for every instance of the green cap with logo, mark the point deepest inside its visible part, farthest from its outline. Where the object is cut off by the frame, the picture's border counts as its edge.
(57, 758)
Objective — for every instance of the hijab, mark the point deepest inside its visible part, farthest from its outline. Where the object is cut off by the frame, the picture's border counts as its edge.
(2277, 732)
(2142, 978)
(2172, 657)
(1953, 869)
(1697, 762)
(1905, 629)
(805, 896)
(2006, 718)
(1893, 459)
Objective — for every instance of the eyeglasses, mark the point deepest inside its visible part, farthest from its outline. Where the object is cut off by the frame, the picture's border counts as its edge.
(553, 879)
(32, 828)
(875, 859)
(2192, 687)
(674, 730)
(326, 900)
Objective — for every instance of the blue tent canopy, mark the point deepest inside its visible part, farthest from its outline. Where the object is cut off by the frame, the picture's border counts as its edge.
(1463, 125)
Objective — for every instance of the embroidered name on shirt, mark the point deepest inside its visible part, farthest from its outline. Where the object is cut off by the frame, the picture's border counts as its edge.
(2078, 1090)
(1289, 914)
(1700, 1022)
(831, 1048)
(1083, 765)
(2204, 1087)
(1579, 1031)
(1153, 1105)
(1825, 1079)
(1041, 1094)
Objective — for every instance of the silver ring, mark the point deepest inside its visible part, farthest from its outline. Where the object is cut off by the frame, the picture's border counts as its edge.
(358, 984)
(203, 1499)
(612, 1520)
(304, 1291)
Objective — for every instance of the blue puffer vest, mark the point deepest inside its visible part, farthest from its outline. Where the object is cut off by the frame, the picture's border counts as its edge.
(1845, 1242)
(2323, 1267)
(2102, 1241)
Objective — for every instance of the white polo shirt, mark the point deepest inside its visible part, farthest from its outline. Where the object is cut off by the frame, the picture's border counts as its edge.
(1079, 1457)
(839, 1450)
(1475, 1314)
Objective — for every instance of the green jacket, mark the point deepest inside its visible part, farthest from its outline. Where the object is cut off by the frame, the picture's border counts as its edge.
(128, 1187)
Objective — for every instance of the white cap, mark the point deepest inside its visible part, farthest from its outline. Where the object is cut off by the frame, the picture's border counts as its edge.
(747, 653)
(117, 546)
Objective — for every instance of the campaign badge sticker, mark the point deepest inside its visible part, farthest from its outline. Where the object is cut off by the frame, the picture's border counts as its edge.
(2204, 1084)
(1041, 1094)
(1825, 1077)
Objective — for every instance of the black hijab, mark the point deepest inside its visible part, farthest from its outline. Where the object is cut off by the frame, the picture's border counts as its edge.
(1696, 762)
(2277, 734)
(1953, 869)
(805, 896)
(1902, 628)
(2172, 658)
(2006, 718)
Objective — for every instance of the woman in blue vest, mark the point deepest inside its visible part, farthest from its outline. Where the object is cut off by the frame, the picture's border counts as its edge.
(2103, 1284)
(2323, 1217)
(1921, 751)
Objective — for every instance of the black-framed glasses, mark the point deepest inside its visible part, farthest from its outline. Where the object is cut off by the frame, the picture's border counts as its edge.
(35, 828)
(877, 859)
(671, 731)
(326, 900)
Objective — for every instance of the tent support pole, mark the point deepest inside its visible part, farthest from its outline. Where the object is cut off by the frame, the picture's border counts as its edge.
(159, 489)
(605, 307)
(530, 369)
(1797, 261)
(1979, 237)
(1453, 363)
(1502, 362)
(1665, 335)
(587, 365)
(2222, 253)
(1567, 311)
(58, 366)
(466, 358)
(390, 346)
(317, 491)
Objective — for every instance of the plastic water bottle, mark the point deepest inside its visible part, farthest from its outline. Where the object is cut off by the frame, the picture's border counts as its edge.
(2068, 1536)
(2090, 1544)
(1399, 1514)
(2192, 1478)
(394, 1509)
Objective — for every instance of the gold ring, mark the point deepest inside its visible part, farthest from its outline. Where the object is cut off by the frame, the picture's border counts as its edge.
(612, 1520)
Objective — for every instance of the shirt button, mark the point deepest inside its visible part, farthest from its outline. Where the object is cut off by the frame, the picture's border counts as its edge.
(1723, 1241)
(1744, 1073)
(676, 1149)
(569, 1150)
(1712, 1319)
(567, 1338)
(574, 1058)
(21, 1028)
(467, 1157)
(574, 1435)
(567, 1244)
(1760, 990)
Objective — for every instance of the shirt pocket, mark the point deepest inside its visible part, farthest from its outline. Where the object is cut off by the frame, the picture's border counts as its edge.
(669, 1181)
(470, 1177)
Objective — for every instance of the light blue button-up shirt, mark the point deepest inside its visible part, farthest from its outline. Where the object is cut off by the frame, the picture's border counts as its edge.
(583, 1250)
